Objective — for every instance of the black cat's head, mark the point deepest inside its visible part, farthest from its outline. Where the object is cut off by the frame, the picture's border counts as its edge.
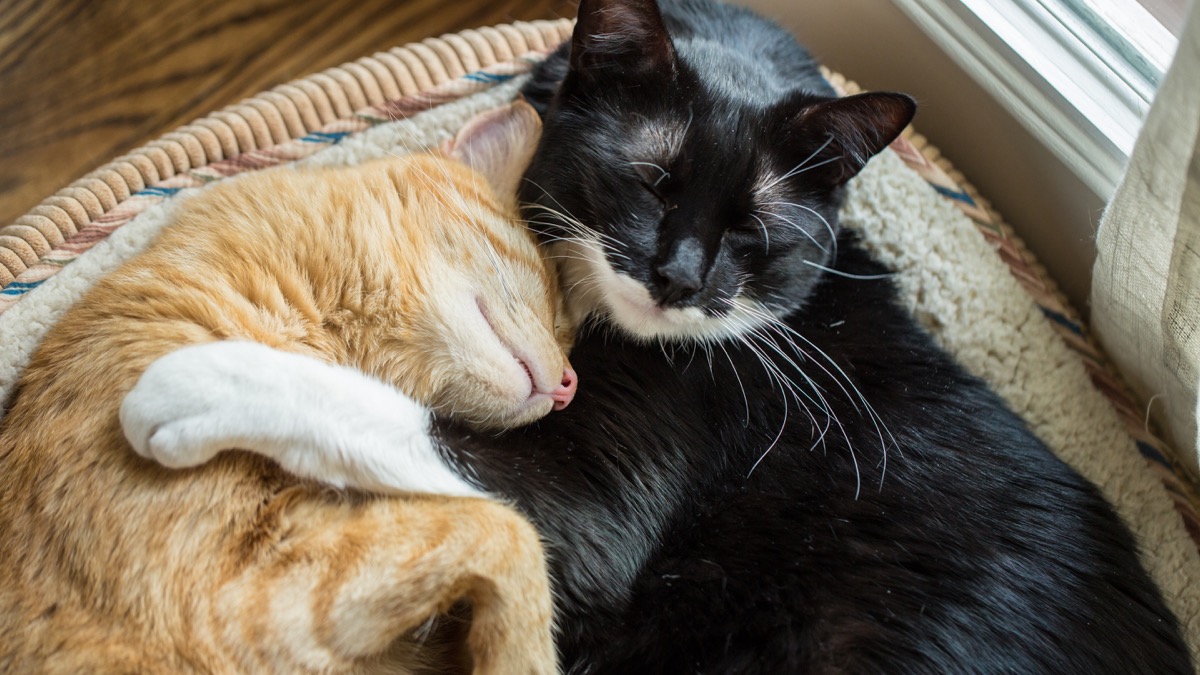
(692, 186)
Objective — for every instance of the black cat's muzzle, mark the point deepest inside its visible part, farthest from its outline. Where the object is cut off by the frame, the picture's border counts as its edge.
(680, 278)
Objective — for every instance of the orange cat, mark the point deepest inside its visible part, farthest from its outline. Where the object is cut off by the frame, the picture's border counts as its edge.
(409, 270)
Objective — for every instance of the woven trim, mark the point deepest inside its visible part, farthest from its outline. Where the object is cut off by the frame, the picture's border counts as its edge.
(288, 151)
(287, 112)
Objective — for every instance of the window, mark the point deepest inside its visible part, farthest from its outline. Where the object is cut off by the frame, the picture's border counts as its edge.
(1079, 74)
(1124, 34)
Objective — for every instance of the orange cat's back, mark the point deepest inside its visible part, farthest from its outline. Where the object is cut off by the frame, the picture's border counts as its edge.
(112, 561)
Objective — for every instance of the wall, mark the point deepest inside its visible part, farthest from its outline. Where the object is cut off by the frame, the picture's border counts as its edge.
(873, 43)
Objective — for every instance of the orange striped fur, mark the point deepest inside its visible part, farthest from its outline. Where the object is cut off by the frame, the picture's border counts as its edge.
(111, 563)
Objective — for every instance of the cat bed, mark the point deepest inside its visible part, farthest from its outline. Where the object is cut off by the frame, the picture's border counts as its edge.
(963, 272)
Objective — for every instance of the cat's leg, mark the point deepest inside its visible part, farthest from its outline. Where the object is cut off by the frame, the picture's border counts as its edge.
(351, 577)
(318, 420)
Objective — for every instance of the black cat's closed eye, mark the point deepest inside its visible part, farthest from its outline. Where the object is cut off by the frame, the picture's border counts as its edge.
(651, 176)
(653, 190)
(751, 224)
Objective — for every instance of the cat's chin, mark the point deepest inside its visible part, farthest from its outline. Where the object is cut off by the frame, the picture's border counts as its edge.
(534, 409)
(646, 320)
(594, 287)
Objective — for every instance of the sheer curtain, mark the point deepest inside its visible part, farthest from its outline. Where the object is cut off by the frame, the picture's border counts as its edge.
(1146, 281)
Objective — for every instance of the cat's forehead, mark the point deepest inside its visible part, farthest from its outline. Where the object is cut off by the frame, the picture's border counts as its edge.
(682, 144)
(769, 183)
(730, 76)
(660, 137)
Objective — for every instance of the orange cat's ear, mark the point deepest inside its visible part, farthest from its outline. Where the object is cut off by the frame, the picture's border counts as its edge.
(499, 144)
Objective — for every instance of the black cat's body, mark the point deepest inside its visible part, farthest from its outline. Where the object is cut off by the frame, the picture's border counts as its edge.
(976, 551)
(702, 518)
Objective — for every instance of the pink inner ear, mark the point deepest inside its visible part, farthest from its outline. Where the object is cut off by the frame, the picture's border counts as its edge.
(498, 144)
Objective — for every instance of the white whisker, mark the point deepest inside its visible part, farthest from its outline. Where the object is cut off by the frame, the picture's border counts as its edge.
(824, 221)
(798, 228)
(801, 167)
(662, 173)
(862, 277)
(766, 233)
(880, 427)
(742, 387)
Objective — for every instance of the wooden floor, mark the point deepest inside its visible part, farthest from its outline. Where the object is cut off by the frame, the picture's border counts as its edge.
(82, 81)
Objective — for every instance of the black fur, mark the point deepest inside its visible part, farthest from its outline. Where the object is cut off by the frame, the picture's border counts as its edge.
(953, 542)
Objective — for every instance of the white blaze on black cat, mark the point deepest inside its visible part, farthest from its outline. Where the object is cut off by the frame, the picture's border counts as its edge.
(695, 170)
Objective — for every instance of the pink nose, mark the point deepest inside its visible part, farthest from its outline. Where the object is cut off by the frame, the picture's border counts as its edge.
(565, 392)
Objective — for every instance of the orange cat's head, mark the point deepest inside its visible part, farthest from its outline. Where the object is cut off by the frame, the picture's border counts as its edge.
(492, 334)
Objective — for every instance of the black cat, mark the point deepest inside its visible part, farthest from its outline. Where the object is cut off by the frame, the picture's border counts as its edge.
(770, 467)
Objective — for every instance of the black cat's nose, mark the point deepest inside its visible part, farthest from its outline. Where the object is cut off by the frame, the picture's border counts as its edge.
(681, 277)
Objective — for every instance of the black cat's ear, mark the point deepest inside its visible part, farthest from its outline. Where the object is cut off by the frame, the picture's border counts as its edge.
(838, 136)
(614, 37)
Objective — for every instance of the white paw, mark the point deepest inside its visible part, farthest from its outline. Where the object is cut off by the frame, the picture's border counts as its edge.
(317, 420)
(181, 443)
(197, 401)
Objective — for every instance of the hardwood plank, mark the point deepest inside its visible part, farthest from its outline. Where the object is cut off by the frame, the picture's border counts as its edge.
(85, 81)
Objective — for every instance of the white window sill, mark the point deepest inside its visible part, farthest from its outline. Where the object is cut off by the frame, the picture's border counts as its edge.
(1052, 74)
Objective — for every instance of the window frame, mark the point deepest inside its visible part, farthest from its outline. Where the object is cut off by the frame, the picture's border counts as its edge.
(1047, 65)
